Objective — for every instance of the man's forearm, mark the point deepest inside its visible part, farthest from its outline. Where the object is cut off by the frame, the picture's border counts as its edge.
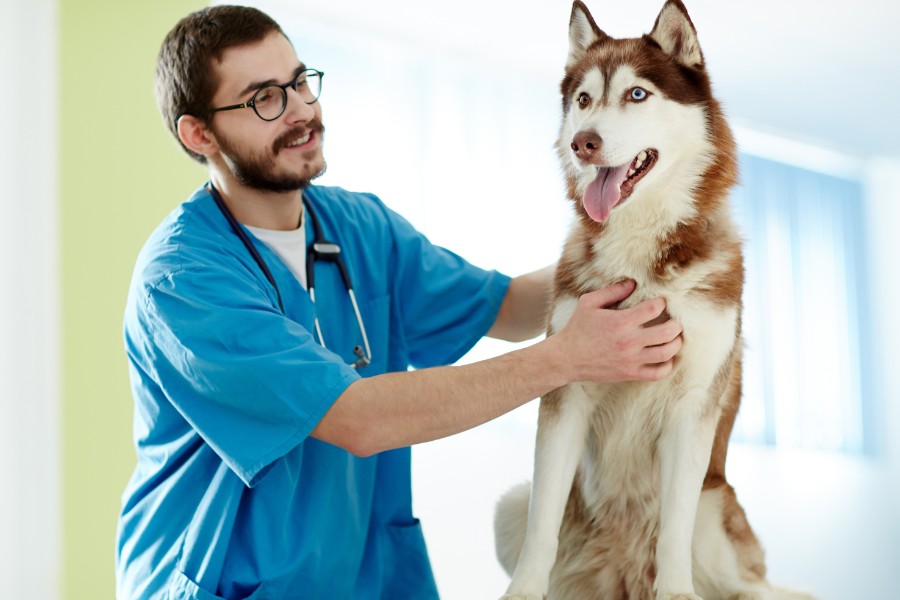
(401, 409)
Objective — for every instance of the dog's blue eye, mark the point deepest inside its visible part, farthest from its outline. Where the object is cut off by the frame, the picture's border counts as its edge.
(639, 94)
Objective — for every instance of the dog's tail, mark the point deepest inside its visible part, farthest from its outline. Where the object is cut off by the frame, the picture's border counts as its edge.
(782, 593)
(510, 522)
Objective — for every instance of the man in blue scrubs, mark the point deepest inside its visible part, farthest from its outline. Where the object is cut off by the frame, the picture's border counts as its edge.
(270, 467)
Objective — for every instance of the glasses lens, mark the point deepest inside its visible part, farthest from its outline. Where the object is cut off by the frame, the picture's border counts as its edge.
(309, 85)
(269, 102)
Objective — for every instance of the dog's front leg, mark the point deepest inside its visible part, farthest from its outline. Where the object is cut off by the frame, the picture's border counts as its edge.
(562, 428)
(684, 450)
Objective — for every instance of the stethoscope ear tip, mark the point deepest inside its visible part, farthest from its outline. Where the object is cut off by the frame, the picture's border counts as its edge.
(363, 359)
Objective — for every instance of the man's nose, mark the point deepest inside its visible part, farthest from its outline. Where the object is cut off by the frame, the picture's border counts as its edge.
(297, 110)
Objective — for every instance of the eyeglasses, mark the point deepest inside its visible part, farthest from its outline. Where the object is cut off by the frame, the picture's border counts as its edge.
(270, 101)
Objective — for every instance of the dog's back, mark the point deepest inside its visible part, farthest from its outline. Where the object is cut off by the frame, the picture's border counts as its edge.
(631, 476)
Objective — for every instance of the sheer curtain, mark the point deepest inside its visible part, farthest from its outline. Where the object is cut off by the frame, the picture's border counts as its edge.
(803, 319)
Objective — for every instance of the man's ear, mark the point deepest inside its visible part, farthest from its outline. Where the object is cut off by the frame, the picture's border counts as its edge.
(196, 136)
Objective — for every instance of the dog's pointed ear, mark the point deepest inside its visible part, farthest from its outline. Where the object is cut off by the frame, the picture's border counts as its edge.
(675, 33)
(582, 32)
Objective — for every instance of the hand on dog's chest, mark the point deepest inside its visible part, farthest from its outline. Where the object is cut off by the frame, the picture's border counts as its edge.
(662, 318)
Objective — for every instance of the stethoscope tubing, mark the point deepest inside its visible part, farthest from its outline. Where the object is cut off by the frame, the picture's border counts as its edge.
(239, 231)
(321, 250)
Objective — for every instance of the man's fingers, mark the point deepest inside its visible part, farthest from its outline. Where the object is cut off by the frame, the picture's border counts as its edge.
(646, 311)
(655, 372)
(661, 353)
(661, 334)
(610, 295)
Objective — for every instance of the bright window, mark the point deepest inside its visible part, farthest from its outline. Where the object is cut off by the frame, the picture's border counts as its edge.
(804, 330)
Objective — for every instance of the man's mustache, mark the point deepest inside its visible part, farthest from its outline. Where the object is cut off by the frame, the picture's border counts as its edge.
(315, 126)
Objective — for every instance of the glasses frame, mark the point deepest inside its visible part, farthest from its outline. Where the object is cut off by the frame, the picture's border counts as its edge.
(283, 87)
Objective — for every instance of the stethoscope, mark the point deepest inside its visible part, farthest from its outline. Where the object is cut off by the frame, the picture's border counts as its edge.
(321, 249)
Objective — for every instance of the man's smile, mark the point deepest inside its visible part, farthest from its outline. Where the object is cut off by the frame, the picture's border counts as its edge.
(300, 141)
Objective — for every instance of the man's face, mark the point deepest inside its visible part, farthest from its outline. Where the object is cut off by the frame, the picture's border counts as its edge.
(280, 155)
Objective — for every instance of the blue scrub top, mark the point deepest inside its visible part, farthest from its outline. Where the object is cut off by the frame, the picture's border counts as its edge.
(231, 498)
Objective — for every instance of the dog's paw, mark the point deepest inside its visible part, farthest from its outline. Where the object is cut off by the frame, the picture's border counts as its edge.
(789, 594)
(678, 597)
(523, 597)
(750, 596)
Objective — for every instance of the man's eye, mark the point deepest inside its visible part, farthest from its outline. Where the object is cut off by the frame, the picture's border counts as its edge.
(264, 95)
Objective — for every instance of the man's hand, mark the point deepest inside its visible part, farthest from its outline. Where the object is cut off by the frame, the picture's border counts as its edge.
(600, 343)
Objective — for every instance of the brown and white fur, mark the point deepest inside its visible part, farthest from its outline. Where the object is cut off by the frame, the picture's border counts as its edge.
(629, 499)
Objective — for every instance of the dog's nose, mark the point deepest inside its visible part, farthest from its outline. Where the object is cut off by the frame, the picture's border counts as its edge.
(585, 144)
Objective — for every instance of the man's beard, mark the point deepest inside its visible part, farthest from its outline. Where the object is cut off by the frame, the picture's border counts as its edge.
(256, 170)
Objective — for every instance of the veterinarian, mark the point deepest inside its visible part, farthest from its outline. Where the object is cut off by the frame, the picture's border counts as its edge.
(269, 329)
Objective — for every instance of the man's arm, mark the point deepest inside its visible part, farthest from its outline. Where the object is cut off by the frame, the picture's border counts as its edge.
(523, 313)
(598, 344)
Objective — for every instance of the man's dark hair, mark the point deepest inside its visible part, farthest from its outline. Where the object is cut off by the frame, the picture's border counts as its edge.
(185, 75)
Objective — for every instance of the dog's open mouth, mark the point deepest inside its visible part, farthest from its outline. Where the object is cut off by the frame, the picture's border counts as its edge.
(614, 184)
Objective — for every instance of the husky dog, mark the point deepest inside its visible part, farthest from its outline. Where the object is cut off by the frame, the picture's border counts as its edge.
(629, 499)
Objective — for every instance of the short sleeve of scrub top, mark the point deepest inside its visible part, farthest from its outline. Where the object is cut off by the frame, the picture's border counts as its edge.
(440, 299)
(252, 382)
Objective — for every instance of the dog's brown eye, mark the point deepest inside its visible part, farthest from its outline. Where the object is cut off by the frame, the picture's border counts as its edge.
(583, 100)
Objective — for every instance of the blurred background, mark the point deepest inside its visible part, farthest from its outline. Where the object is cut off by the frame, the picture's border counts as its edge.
(449, 111)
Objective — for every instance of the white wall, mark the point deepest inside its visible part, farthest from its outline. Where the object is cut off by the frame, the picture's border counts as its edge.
(30, 524)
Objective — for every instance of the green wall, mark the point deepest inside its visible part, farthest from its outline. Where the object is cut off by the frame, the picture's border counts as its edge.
(121, 172)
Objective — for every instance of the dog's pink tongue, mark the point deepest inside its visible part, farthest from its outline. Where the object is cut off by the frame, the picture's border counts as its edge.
(604, 192)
